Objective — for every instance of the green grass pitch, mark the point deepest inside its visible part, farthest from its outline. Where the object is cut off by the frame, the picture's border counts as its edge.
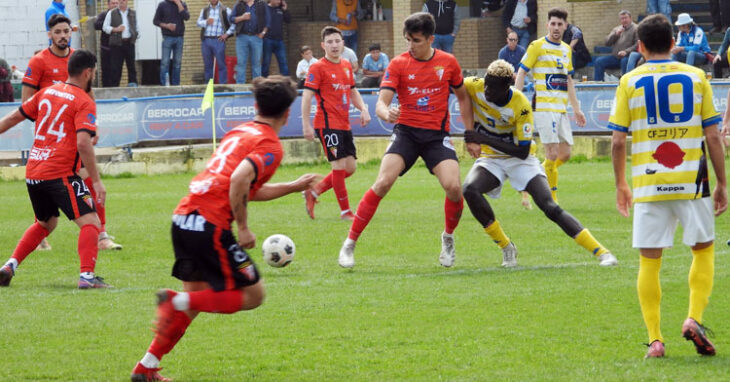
(397, 316)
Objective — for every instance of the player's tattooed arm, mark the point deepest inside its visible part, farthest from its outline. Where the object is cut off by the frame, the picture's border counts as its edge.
(241, 179)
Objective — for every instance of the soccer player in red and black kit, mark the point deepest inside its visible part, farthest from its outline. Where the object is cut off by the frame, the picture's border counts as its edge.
(217, 274)
(50, 67)
(332, 81)
(65, 124)
(421, 77)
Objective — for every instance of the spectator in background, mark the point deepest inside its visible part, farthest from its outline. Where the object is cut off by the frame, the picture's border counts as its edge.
(278, 14)
(58, 7)
(250, 17)
(6, 88)
(623, 41)
(520, 16)
(106, 70)
(303, 66)
(573, 36)
(720, 61)
(447, 23)
(691, 46)
(720, 11)
(659, 6)
(373, 66)
(346, 13)
(512, 52)
(121, 25)
(170, 16)
(215, 29)
(349, 55)
(488, 7)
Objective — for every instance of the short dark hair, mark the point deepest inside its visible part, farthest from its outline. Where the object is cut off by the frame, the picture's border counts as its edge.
(274, 95)
(558, 12)
(57, 19)
(655, 32)
(373, 47)
(419, 22)
(80, 60)
(304, 49)
(328, 30)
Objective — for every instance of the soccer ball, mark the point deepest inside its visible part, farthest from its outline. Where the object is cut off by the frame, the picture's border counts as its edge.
(278, 250)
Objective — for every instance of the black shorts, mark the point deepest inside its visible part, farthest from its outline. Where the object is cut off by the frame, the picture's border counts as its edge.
(205, 252)
(337, 144)
(70, 194)
(434, 146)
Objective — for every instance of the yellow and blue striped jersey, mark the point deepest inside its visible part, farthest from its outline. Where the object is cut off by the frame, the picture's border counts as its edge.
(511, 122)
(665, 105)
(551, 64)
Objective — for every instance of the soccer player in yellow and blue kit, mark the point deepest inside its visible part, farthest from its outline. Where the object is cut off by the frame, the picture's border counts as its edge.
(501, 140)
(667, 107)
(550, 60)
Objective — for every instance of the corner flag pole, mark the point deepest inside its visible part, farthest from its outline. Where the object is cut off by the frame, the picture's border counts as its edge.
(208, 102)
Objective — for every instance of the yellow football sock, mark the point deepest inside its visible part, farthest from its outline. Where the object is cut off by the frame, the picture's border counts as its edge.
(701, 275)
(650, 295)
(558, 163)
(587, 241)
(495, 231)
(551, 172)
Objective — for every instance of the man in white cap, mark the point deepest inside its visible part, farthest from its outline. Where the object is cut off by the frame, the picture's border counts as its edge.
(691, 47)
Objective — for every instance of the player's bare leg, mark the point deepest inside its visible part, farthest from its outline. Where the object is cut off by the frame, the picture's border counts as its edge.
(448, 175)
(176, 311)
(390, 167)
(525, 200)
(345, 166)
(37, 231)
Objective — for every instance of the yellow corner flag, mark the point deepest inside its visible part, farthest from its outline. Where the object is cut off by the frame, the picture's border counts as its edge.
(207, 103)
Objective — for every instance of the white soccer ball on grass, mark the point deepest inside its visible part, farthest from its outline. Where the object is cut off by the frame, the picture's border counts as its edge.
(278, 250)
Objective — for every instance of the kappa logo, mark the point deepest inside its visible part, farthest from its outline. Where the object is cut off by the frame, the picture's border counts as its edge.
(524, 112)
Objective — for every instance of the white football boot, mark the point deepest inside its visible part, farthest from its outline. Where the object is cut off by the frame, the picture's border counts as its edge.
(607, 260)
(509, 255)
(447, 250)
(347, 254)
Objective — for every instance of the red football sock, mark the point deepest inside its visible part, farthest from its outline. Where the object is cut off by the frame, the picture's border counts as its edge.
(162, 345)
(338, 185)
(452, 212)
(208, 300)
(100, 210)
(324, 184)
(365, 211)
(30, 240)
(88, 247)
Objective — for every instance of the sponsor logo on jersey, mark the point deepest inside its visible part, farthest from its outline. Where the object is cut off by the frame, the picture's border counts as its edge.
(423, 101)
(91, 118)
(338, 87)
(669, 155)
(669, 188)
(268, 159)
(387, 75)
(527, 130)
(310, 78)
(39, 154)
(557, 82)
(28, 72)
(199, 187)
(412, 90)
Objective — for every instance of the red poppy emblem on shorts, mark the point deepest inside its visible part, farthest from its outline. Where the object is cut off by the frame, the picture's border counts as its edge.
(669, 154)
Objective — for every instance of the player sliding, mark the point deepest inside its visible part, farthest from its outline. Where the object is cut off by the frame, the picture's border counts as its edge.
(667, 107)
(501, 139)
(421, 77)
(217, 274)
(332, 81)
(65, 117)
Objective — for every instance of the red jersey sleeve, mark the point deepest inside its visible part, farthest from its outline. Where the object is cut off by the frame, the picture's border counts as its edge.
(457, 78)
(29, 108)
(314, 77)
(266, 159)
(352, 74)
(85, 119)
(391, 76)
(34, 73)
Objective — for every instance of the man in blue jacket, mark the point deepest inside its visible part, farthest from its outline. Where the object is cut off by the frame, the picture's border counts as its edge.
(692, 45)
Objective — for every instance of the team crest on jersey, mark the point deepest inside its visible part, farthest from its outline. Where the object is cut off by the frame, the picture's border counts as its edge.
(347, 73)
(333, 151)
(89, 200)
(439, 72)
(669, 155)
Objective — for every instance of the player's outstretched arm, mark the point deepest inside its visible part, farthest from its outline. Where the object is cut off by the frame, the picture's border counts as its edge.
(307, 129)
(271, 191)
(10, 120)
(85, 148)
(358, 102)
(383, 109)
(618, 157)
(717, 156)
(241, 179)
(580, 118)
